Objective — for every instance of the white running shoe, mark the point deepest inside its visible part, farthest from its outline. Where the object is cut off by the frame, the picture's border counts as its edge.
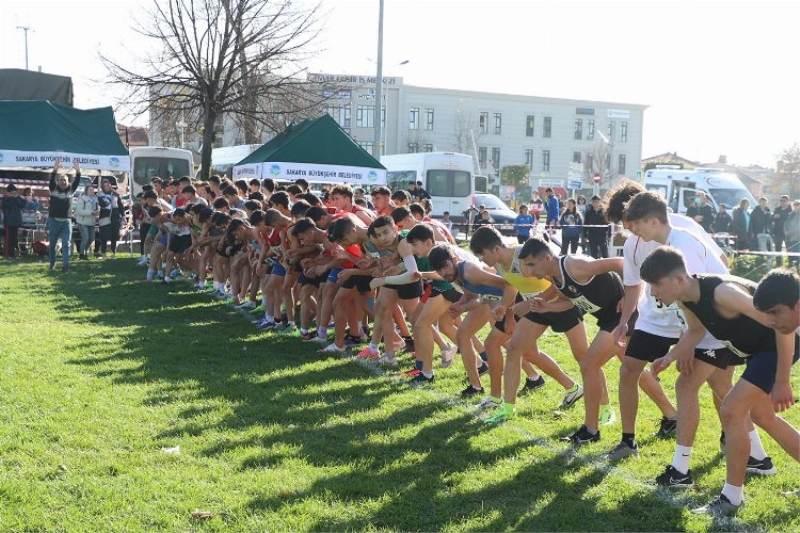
(570, 397)
(332, 348)
(448, 354)
(388, 360)
(489, 403)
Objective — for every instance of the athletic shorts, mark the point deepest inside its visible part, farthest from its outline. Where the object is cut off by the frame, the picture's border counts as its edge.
(608, 320)
(559, 322)
(359, 282)
(761, 368)
(720, 358)
(451, 295)
(648, 347)
(304, 280)
(163, 240)
(180, 243)
(278, 269)
(333, 274)
(409, 291)
(500, 325)
(153, 231)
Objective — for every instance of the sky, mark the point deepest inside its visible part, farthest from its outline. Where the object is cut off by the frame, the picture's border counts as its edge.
(718, 77)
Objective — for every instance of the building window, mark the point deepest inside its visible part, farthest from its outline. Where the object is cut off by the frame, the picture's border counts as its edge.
(621, 165)
(498, 123)
(611, 127)
(427, 148)
(548, 127)
(413, 119)
(340, 113)
(623, 132)
(413, 148)
(429, 119)
(545, 160)
(590, 130)
(529, 158)
(576, 157)
(530, 122)
(483, 122)
(496, 160)
(365, 116)
(369, 146)
(578, 129)
(482, 156)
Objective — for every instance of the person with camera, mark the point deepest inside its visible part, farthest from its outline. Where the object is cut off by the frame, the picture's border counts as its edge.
(87, 211)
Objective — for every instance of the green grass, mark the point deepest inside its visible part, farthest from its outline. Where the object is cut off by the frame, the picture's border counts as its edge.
(98, 373)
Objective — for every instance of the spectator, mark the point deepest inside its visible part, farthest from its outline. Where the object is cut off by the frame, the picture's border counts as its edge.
(483, 218)
(723, 221)
(446, 221)
(553, 209)
(523, 224)
(360, 194)
(779, 217)
(571, 228)
(111, 216)
(59, 223)
(13, 204)
(87, 211)
(401, 198)
(536, 205)
(791, 232)
(760, 225)
(31, 202)
(420, 193)
(599, 230)
(582, 211)
(741, 224)
(701, 211)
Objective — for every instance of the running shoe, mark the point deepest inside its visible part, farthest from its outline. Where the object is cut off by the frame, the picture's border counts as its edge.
(607, 415)
(265, 325)
(571, 396)
(761, 467)
(143, 261)
(582, 436)
(489, 403)
(332, 348)
(287, 329)
(531, 385)
(352, 342)
(410, 348)
(720, 506)
(471, 391)
(308, 335)
(671, 477)
(369, 353)
(388, 360)
(621, 451)
(503, 415)
(484, 368)
(414, 372)
(249, 304)
(421, 379)
(448, 355)
(667, 427)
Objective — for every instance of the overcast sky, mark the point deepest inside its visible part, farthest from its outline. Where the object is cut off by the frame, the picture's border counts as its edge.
(719, 77)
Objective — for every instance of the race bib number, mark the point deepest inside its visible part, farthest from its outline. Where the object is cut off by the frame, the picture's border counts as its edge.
(660, 307)
(585, 305)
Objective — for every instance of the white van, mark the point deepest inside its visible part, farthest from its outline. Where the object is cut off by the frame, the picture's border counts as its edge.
(447, 176)
(225, 158)
(148, 162)
(678, 186)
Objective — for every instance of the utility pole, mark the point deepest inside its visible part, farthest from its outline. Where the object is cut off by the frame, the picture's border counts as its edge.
(377, 148)
(25, 29)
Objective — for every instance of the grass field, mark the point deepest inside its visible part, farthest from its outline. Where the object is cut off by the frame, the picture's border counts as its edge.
(100, 375)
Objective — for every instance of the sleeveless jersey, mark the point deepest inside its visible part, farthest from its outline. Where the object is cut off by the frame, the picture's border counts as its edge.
(742, 335)
(528, 287)
(489, 293)
(601, 293)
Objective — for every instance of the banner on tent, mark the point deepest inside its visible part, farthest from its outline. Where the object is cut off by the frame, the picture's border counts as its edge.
(312, 173)
(19, 158)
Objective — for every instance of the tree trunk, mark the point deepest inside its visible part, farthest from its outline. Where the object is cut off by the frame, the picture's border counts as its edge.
(208, 144)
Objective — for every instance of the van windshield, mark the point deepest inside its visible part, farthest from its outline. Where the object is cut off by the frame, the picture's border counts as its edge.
(731, 197)
(146, 168)
(455, 183)
(398, 180)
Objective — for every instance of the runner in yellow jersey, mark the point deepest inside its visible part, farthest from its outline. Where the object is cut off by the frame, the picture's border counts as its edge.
(487, 244)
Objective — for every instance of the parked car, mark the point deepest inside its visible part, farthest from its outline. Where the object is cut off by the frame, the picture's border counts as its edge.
(501, 215)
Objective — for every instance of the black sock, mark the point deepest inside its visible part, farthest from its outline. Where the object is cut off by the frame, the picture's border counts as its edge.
(629, 439)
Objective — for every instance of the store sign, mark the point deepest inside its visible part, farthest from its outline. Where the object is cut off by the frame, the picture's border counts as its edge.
(619, 113)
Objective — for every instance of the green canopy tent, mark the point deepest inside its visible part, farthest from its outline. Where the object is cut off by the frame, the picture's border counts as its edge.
(34, 132)
(317, 150)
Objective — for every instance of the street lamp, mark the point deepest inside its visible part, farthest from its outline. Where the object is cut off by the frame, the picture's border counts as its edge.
(376, 147)
(25, 29)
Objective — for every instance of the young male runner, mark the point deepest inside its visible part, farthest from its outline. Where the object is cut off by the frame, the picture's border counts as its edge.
(724, 307)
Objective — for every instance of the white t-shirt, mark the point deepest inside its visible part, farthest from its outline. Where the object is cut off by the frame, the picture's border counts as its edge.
(654, 317)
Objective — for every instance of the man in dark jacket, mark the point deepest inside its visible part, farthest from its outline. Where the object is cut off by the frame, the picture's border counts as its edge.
(597, 229)
(779, 217)
(760, 223)
(59, 222)
(12, 217)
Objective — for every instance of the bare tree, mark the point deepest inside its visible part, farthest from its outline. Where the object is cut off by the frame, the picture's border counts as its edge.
(463, 123)
(239, 58)
(597, 160)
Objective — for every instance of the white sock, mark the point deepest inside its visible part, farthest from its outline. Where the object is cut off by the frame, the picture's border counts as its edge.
(734, 494)
(757, 450)
(291, 322)
(680, 461)
(150, 273)
(264, 302)
(269, 318)
(373, 347)
(322, 332)
(216, 285)
(427, 374)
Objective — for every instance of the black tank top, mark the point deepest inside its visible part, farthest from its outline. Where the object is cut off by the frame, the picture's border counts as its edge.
(742, 335)
(601, 293)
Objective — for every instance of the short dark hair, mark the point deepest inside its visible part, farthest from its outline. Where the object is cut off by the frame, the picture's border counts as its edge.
(339, 228)
(662, 262)
(417, 209)
(252, 205)
(381, 190)
(302, 183)
(180, 212)
(241, 185)
(189, 190)
(294, 189)
(420, 233)
(258, 195)
(299, 208)
(255, 181)
(400, 213)
(484, 238)
(257, 217)
(280, 198)
(616, 200)
(311, 198)
(269, 184)
(230, 191)
(302, 225)
(150, 194)
(154, 211)
(316, 213)
(215, 179)
(381, 221)
(205, 214)
(779, 286)
(534, 247)
(401, 195)
(440, 255)
(343, 190)
(271, 216)
(647, 204)
(221, 202)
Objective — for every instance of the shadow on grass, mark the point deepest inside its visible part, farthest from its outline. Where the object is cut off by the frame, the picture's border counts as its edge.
(198, 350)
